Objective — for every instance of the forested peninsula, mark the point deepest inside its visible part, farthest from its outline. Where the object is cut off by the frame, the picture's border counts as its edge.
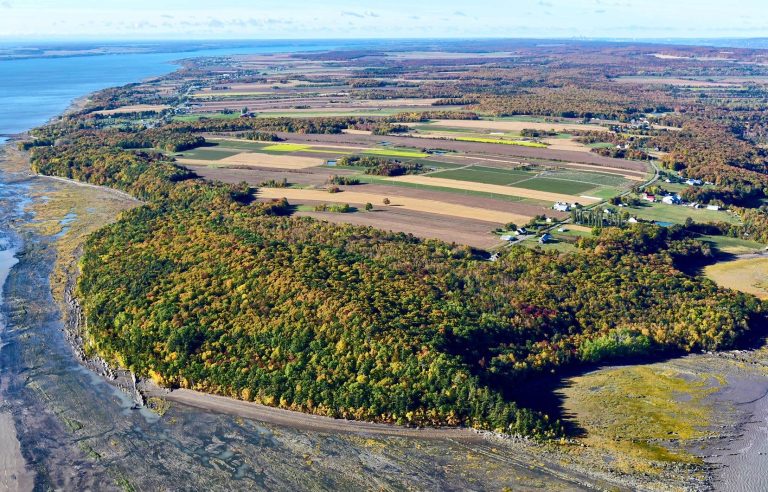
(207, 287)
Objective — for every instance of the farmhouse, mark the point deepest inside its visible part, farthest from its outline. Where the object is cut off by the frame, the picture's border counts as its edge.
(713, 207)
(693, 182)
(562, 207)
(545, 239)
(649, 198)
(632, 220)
(671, 199)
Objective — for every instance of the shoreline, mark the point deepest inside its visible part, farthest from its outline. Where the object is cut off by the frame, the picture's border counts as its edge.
(126, 382)
(519, 453)
(16, 475)
(140, 390)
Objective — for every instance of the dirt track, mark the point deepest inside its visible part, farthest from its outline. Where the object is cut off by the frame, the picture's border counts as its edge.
(298, 420)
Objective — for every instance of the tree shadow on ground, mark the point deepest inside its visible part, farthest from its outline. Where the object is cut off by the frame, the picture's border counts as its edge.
(545, 392)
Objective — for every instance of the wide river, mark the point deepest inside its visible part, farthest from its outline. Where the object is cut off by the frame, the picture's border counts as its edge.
(63, 427)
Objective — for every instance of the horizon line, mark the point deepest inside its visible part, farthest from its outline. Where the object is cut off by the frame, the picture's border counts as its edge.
(27, 39)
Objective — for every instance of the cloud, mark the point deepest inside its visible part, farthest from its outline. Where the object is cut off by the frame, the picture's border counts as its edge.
(6, 5)
(544, 3)
(459, 13)
(360, 15)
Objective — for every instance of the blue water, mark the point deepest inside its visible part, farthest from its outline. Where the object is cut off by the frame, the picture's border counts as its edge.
(34, 90)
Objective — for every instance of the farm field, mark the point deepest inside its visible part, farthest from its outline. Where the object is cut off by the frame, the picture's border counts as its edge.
(568, 182)
(198, 116)
(590, 177)
(317, 178)
(135, 108)
(612, 301)
(451, 229)
(746, 275)
(262, 160)
(567, 143)
(563, 141)
(464, 194)
(408, 203)
(472, 150)
(522, 143)
(573, 188)
(496, 189)
(512, 125)
(487, 175)
(208, 153)
(395, 153)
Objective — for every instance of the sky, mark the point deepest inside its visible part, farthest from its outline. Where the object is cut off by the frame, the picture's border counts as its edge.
(314, 19)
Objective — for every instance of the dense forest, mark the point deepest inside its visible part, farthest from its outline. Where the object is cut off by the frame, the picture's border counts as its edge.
(205, 287)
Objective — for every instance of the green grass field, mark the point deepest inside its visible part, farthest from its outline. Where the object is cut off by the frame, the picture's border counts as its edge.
(208, 153)
(486, 175)
(566, 182)
(733, 245)
(595, 178)
(556, 186)
(243, 145)
(600, 145)
(606, 193)
(677, 214)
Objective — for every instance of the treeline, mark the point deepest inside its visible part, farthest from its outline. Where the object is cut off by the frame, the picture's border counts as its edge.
(352, 322)
(711, 152)
(357, 323)
(566, 102)
(260, 136)
(206, 288)
(381, 166)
